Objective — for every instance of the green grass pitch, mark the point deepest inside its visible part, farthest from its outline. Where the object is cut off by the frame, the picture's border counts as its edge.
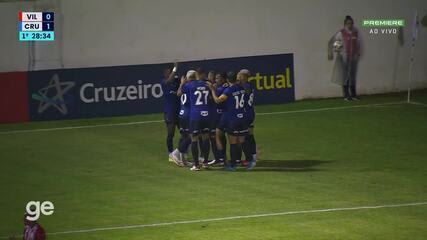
(316, 154)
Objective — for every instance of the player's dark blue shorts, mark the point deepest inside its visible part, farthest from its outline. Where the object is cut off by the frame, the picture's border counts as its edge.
(171, 117)
(237, 127)
(204, 125)
(184, 124)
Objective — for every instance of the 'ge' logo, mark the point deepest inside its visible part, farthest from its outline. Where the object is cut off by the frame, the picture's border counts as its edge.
(34, 208)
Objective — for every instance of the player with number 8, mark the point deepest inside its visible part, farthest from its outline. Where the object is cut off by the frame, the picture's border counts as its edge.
(237, 122)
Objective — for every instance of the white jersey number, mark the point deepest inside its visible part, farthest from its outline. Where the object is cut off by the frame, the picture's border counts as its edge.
(251, 100)
(183, 99)
(200, 99)
(240, 103)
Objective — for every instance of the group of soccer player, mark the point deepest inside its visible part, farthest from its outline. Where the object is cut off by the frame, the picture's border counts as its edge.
(206, 109)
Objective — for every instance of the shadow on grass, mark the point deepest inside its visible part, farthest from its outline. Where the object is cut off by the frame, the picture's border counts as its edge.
(289, 165)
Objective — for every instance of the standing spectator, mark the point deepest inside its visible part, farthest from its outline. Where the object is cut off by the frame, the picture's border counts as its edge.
(346, 44)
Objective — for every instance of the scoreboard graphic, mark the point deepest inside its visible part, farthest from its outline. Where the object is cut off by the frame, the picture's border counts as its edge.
(36, 26)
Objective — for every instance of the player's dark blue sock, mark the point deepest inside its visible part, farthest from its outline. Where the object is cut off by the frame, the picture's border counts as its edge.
(184, 143)
(169, 142)
(251, 143)
(201, 147)
(169, 139)
(246, 146)
(214, 147)
(224, 145)
(233, 154)
(195, 152)
(180, 140)
(239, 152)
(247, 150)
(221, 154)
(206, 149)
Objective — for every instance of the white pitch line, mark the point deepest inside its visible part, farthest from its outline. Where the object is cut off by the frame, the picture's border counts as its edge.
(79, 127)
(159, 121)
(330, 108)
(418, 103)
(235, 218)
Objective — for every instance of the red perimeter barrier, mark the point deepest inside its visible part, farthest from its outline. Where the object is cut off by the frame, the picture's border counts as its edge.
(14, 97)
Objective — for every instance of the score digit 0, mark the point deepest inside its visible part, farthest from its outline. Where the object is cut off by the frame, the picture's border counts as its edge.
(48, 16)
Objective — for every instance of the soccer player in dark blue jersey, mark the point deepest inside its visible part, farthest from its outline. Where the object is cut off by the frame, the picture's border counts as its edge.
(220, 121)
(212, 77)
(214, 115)
(170, 84)
(184, 121)
(200, 98)
(250, 143)
(237, 124)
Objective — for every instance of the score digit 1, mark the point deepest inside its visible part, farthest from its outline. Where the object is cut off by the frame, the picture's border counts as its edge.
(48, 26)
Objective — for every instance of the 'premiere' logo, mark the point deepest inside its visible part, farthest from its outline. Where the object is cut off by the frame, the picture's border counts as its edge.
(53, 95)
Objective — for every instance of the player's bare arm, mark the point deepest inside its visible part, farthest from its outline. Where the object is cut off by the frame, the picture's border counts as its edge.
(183, 81)
(172, 73)
(215, 97)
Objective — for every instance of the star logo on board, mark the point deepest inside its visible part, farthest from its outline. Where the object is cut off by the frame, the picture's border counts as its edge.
(53, 95)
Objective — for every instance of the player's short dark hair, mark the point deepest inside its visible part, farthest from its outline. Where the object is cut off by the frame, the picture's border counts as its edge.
(200, 70)
(232, 77)
(211, 72)
(223, 75)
